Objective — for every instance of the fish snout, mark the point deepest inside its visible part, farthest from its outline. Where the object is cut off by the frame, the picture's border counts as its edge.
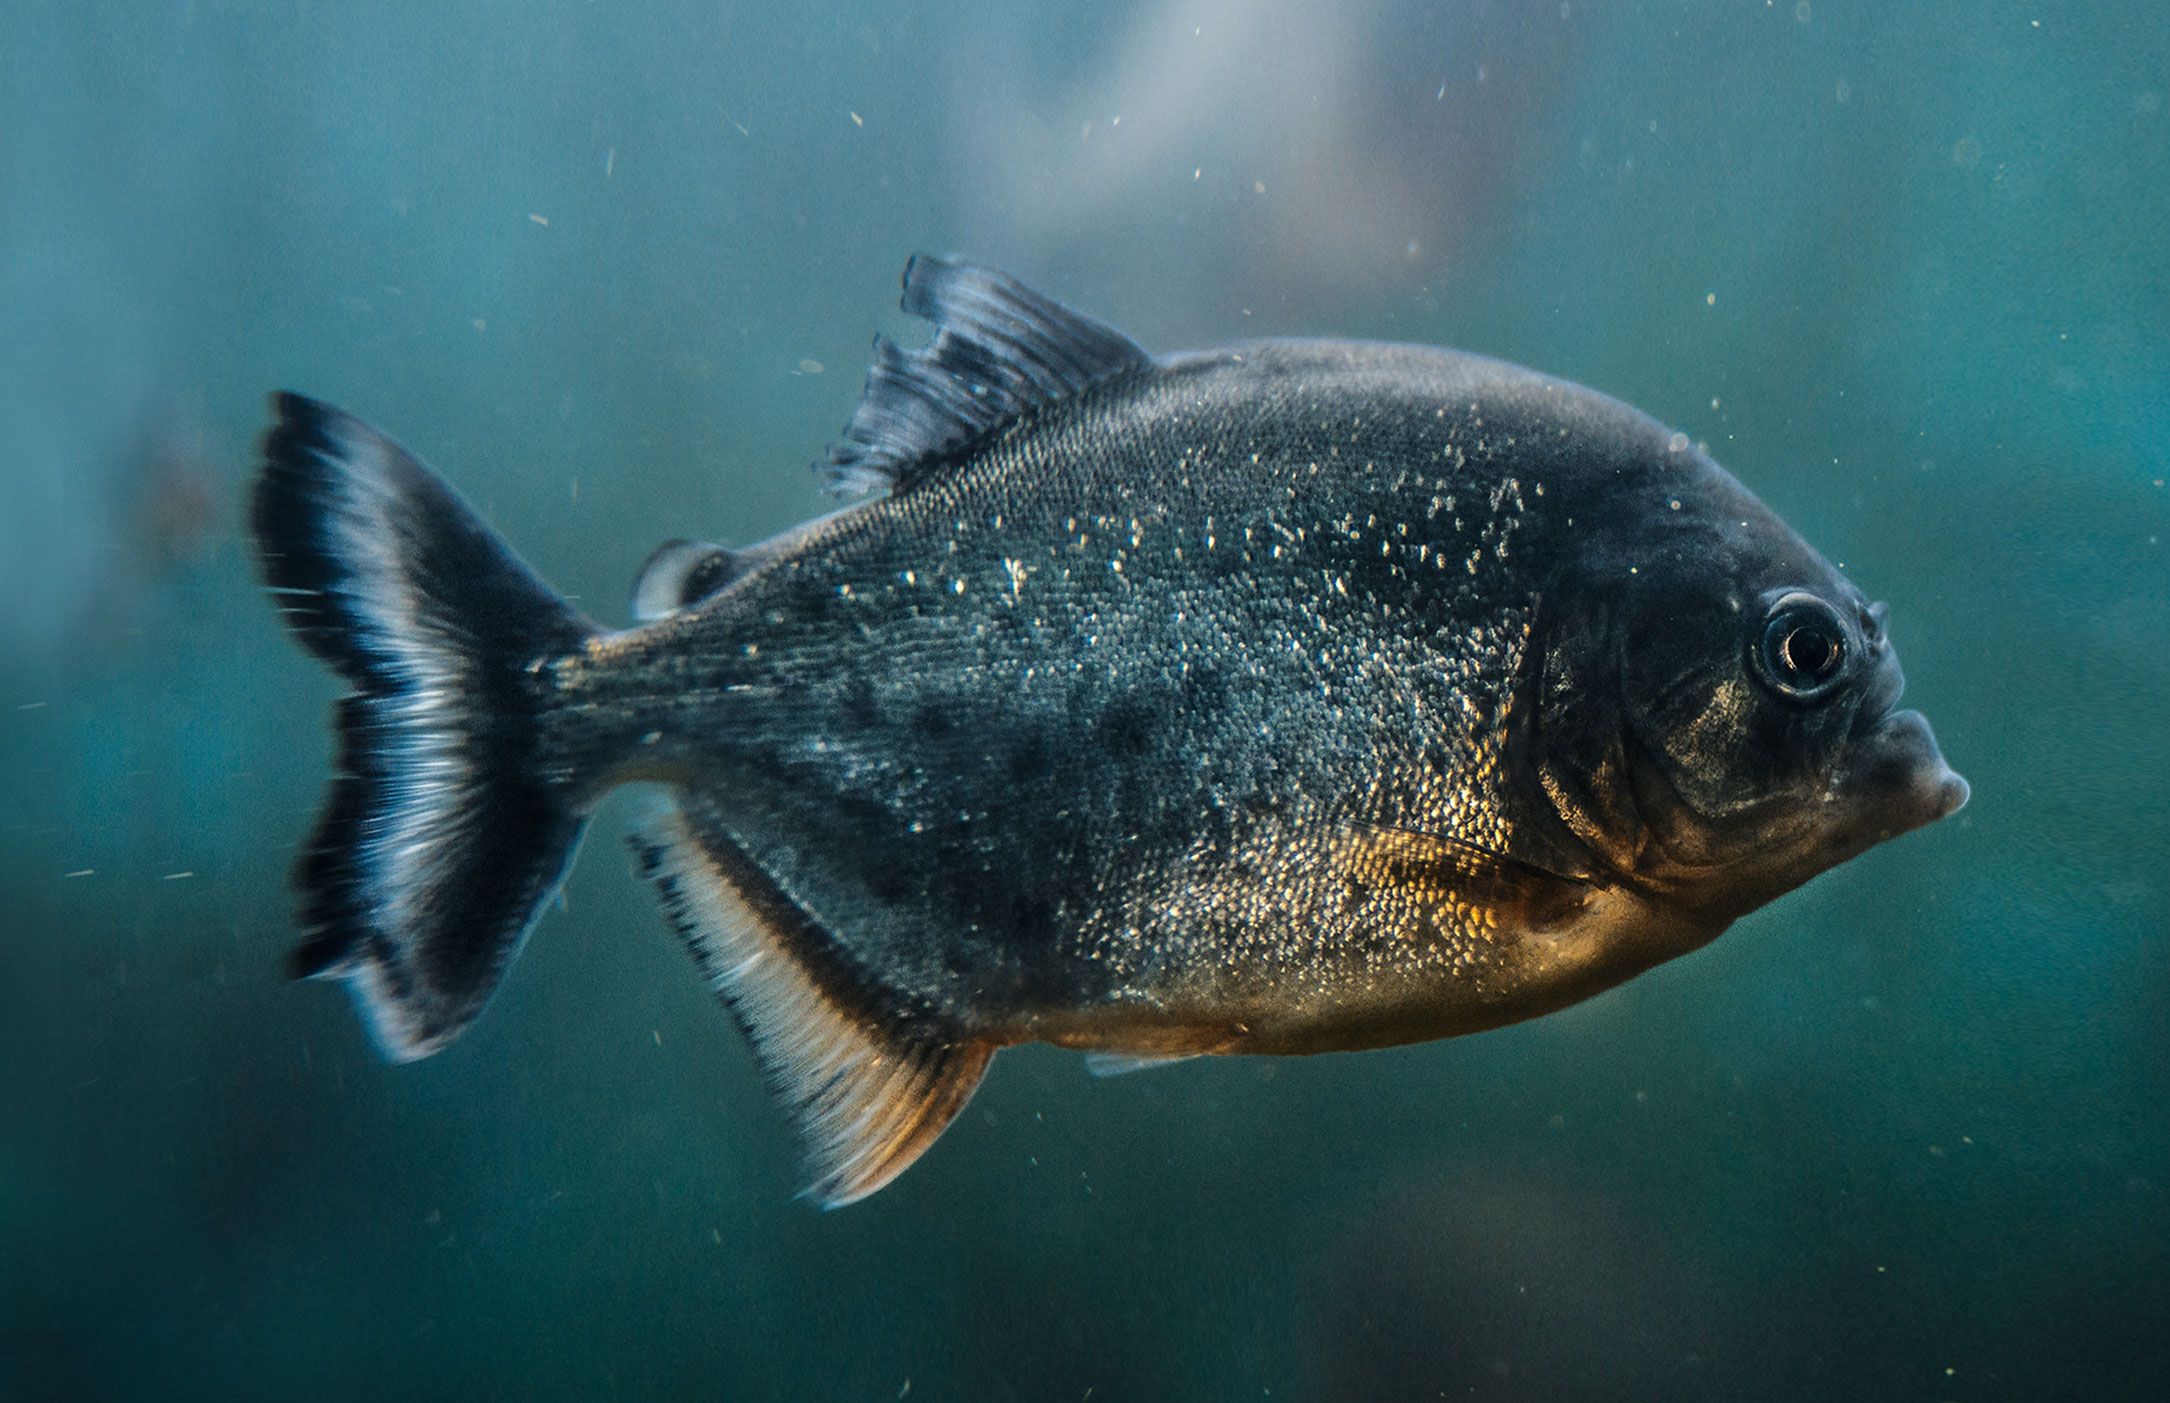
(1899, 775)
(1881, 692)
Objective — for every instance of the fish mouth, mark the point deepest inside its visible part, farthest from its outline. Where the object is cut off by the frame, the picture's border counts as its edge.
(1898, 776)
(1892, 765)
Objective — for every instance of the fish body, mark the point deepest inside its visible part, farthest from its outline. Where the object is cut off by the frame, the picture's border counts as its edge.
(1285, 697)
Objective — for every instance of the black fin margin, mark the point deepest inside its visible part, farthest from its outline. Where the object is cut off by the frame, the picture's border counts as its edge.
(999, 350)
(441, 839)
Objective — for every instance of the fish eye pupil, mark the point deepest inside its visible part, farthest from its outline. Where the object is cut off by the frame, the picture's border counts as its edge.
(1803, 649)
(1809, 651)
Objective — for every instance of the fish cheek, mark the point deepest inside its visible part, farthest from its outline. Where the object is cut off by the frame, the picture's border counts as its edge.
(1706, 742)
(1704, 733)
(1648, 733)
(1731, 782)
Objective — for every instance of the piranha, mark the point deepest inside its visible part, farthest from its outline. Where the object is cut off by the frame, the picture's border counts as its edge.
(1285, 697)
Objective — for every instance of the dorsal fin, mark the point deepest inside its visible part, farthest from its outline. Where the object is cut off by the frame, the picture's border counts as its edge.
(999, 349)
(678, 573)
(867, 1098)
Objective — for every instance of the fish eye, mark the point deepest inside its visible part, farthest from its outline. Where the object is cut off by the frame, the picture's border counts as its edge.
(1803, 649)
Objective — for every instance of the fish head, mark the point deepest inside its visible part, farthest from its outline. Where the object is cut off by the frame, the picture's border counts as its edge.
(1717, 721)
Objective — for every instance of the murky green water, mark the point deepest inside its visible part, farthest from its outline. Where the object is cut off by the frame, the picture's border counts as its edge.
(614, 268)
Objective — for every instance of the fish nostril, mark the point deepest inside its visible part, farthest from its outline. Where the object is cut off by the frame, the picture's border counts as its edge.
(1872, 625)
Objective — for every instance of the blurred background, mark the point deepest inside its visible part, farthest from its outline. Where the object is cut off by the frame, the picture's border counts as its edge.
(614, 270)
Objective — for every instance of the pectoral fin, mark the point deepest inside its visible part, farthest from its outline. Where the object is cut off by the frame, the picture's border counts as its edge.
(1504, 891)
(1122, 1064)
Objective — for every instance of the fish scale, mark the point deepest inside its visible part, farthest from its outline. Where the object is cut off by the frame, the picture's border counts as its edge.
(1129, 611)
(1267, 699)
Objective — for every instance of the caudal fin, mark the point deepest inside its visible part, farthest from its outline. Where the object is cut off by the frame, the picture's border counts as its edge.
(441, 838)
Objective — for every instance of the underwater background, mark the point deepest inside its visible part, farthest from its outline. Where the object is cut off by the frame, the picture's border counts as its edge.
(614, 270)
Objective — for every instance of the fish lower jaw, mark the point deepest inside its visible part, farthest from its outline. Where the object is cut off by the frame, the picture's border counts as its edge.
(1617, 935)
(1897, 776)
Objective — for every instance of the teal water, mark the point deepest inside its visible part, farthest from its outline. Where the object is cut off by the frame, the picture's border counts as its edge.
(614, 269)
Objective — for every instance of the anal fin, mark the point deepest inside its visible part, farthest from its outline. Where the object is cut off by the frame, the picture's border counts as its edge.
(867, 1101)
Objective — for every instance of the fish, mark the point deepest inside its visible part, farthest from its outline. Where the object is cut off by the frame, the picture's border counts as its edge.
(1285, 697)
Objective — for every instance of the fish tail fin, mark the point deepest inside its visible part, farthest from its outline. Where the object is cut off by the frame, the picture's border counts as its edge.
(442, 837)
